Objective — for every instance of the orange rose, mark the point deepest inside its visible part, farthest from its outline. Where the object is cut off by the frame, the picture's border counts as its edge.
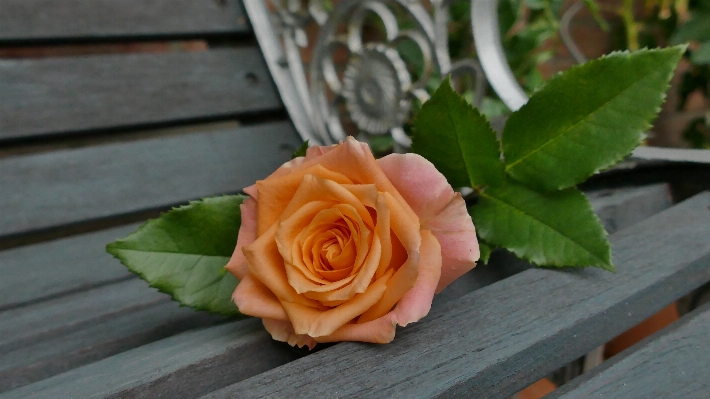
(338, 246)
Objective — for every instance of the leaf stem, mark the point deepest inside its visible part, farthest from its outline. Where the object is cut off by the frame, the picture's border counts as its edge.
(627, 14)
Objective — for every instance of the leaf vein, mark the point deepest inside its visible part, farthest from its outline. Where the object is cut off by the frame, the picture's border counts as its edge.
(575, 124)
(565, 237)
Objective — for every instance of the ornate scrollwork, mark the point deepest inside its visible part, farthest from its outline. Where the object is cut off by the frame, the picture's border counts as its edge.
(354, 81)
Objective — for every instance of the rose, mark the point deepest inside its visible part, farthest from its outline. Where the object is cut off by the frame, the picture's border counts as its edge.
(338, 246)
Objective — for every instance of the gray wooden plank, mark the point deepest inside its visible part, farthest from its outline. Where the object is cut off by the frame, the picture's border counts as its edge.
(125, 384)
(35, 272)
(499, 339)
(45, 339)
(51, 189)
(184, 366)
(78, 94)
(673, 363)
(621, 208)
(24, 20)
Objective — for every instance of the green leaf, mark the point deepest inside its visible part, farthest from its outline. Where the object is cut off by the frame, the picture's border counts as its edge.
(549, 229)
(184, 251)
(587, 118)
(457, 139)
(301, 151)
(701, 56)
(485, 252)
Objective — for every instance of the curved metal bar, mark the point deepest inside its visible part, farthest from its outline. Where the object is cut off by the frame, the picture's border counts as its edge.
(278, 66)
(425, 47)
(473, 68)
(486, 35)
(441, 35)
(566, 36)
(357, 20)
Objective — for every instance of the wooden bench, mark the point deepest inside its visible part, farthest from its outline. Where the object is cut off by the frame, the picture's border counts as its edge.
(92, 145)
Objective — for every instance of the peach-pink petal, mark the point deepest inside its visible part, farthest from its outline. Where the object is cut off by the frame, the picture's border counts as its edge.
(281, 171)
(282, 331)
(421, 185)
(378, 331)
(416, 303)
(454, 229)
(251, 191)
(355, 160)
(411, 308)
(318, 150)
(237, 264)
(254, 299)
(440, 210)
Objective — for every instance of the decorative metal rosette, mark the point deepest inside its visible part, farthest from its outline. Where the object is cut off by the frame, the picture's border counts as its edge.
(359, 67)
(374, 88)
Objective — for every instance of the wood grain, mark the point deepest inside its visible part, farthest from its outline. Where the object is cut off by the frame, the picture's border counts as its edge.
(122, 384)
(184, 366)
(672, 363)
(499, 339)
(36, 272)
(79, 94)
(623, 207)
(52, 189)
(51, 20)
(41, 340)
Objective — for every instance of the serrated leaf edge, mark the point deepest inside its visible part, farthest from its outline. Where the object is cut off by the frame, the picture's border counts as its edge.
(446, 85)
(114, 249)
(604, 265)
(615, 160)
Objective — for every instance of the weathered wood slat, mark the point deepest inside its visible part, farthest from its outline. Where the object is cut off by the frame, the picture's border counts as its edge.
(621, 208)
(52, 189)
(52, 20)
(78, 94)
(48, 338)
(499, 339)
(671, 364)
(35, 272)
(184, 366)
(126, 383)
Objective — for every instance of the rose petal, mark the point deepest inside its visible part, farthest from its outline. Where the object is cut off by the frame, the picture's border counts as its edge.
(440, 210)
(459, 246)
(266, 265)
(411, 308)
(416, 303)
(254, 299)
(318, 150)
(421, 185)
(354, 160)
(378, 331)
(237, 264)
(315, 323)
(283, 331)
(280, 191)
(315, 188)
(405, 277)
